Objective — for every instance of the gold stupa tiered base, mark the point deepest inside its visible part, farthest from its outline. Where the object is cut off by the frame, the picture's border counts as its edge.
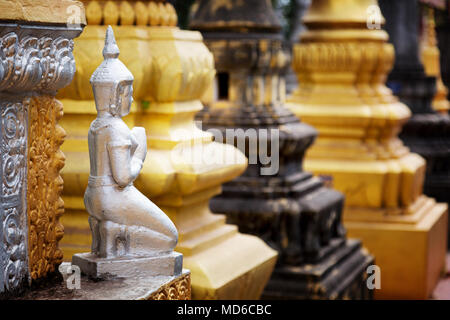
(410, 249)
(430, 56)
(409, 243)
(373, 183)
(223, 272)
(342, 72)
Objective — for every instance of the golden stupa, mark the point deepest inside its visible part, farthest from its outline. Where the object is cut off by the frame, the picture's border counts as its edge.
(342, 63)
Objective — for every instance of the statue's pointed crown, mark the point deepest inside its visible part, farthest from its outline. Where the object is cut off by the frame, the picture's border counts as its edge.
(111, 70)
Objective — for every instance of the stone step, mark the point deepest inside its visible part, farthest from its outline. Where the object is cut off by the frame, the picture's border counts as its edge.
(201, 224)
(206, 240)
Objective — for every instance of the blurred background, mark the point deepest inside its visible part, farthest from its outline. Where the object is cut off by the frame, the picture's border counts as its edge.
(290, 12)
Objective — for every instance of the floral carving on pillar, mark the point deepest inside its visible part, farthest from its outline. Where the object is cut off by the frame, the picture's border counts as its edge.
(45, 205)
(36, 61)
(178, 289)
(13, 168)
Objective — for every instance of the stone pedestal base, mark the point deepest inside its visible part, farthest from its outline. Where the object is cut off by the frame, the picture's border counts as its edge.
(341, 275)
(409, 252)
(224, 263)
(131, 288)
(427, 135)
(373, 183)
(162, 265)
(237, 268)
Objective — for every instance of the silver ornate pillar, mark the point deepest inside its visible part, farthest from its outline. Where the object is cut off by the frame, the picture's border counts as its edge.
(35, 61)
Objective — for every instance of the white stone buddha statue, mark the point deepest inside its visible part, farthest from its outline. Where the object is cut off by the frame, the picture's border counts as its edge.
(123, 221)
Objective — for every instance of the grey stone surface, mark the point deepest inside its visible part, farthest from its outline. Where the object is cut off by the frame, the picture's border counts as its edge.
(170, 264)
(113, 288)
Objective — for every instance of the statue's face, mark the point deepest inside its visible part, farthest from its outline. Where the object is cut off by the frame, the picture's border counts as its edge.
(126, 100)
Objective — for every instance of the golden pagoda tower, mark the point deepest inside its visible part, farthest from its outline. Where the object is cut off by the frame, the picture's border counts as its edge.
(172, 70)
(430, 59)
(342, 63)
